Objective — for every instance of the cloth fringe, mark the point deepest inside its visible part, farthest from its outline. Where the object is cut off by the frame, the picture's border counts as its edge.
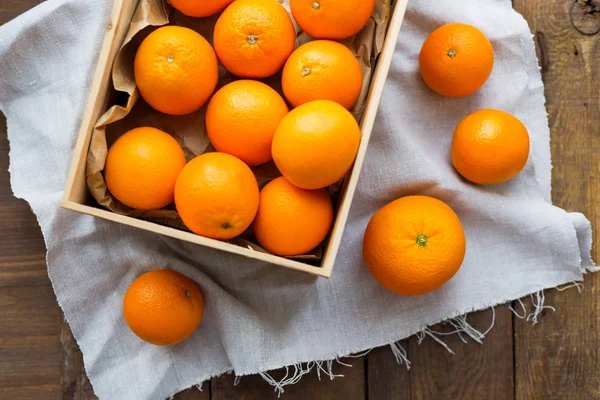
(464, 330)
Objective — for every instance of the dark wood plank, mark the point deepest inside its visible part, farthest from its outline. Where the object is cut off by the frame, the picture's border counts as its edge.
(559, 357)
(475, 372)
(386, 378)
(10, 9)
(350, 387)
(195, 394)
(22, 249)
(29, 343)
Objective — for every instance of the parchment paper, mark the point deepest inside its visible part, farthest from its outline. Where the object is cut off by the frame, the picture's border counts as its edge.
(130, 111)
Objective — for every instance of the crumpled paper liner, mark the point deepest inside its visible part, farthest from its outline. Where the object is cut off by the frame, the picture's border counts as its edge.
(130, 111)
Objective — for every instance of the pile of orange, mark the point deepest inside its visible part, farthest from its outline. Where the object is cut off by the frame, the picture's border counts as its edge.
(304, 127)
(412, 246)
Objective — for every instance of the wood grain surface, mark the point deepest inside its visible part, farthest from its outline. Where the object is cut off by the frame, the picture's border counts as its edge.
(555, 359)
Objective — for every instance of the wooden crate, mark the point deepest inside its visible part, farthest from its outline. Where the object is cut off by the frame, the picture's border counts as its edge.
(76, 193)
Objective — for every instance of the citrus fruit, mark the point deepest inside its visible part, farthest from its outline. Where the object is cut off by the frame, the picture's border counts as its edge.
(332, 19)
(176, 70)
(285, 211)
(241, 120)
(217, 196)
(163, 307)
(142, 167)
(414, 245)
(253, 38)
(316, 144)
(322, 70)
(198, 9)
(456, 60)
(490, 147)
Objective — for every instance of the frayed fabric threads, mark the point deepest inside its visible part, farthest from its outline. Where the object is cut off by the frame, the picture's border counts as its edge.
(461, 326)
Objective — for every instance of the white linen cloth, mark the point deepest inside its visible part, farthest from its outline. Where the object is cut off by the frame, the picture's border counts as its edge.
(259, 317)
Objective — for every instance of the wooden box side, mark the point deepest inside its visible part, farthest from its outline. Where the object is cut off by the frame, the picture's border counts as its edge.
(375, 93)
(75, 193)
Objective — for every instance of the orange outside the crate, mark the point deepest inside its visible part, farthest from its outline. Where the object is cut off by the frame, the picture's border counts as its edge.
(414, 245)
(163, 307)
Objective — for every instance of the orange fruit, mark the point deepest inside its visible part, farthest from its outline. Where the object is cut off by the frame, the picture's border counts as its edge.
(253, 38)
(163, 307)
(322, 70)
(456, 60)
(490, 147)
(142, 167)
(198, 9)
(332, 19)
(176, 70)
(241, 120)
(316, 144)
(217, 196)
(414, 245)
(285, 211)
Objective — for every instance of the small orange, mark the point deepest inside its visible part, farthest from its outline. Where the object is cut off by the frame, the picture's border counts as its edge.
(142, 167)
(176, 70)
(285, 211)
(241, 120)
(163, 307)
(490, 147)
(253, 38)
(217, 196)
(414, 245)
(322, 70)
(198, 9)
(456, 60)
(316, 144)
(332, 19)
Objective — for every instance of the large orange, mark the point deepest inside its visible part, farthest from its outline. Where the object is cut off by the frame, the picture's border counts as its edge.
(316, 144)
(217, 196)
(292, 221)
(176, 70)
(332, 19)
(322, 70)
(142, 167)
(202, 8)
(253, 38)
(490, 147)
(414, 245)
(241, 120)
(163, 307)
(456, 60)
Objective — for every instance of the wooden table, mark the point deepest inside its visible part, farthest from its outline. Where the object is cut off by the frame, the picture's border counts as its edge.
(556, 359)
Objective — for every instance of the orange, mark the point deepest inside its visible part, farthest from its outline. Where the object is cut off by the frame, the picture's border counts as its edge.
(322, 70)
(316, 144)
(490, 147)
(456, 60)
(253, 38)
(142, 167)
(414, 245)
(241, 120)
(332, 19)
(163, 307)
(292, 221)
(217, 196)
(176, 70)
(198, 9)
